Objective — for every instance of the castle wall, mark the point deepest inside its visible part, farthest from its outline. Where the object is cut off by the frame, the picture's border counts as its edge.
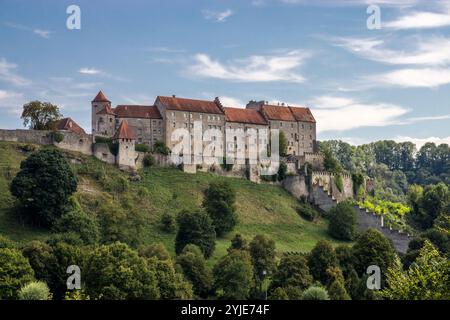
(327, 181)
(296, 185)
(101, 152)
(127, 155)
(76, 142)
(26, 136)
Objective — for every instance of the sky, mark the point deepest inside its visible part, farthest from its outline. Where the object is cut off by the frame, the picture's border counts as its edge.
(362, 83)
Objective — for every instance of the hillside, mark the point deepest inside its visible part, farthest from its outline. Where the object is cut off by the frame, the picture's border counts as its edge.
(262, 209)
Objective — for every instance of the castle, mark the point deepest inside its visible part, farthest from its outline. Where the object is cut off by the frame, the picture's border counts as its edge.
(150, 123)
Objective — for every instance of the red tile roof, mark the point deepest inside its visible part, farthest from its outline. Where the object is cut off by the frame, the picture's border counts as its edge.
(137, 111)
(124, 132)
(277, 113)
(250, 116)
(106, 110)
(69, 125)
(190, 105)
(100, 97)
(302, 114)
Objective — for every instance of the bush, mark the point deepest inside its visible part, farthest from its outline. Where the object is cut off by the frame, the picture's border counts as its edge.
(160, 147)
(358, 181)
(195, 227)
(168, 223)
(56, 136)
(142, 148)
(43, 186)
(278, 294)
(6, 243)
(338, 182)
(81, 223)
(219, 203)
(337, 291)
(307, 212)
(15, 271)
(36, 290)
(342, 221)
(282, 170)
(149, 160)
(315, 293)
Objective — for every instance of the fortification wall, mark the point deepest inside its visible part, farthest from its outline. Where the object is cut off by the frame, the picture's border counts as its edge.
(368, 219)
(26, 136)
(101, 152)
(76, 142)
(327, 181)
(296, 185)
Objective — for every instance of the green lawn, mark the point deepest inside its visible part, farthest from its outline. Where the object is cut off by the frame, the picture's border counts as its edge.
(262, 208)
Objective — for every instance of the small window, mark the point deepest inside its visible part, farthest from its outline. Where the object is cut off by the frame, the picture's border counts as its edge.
(110, 120)
(173, 124)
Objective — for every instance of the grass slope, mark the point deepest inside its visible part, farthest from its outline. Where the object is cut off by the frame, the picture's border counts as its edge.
(262, 208)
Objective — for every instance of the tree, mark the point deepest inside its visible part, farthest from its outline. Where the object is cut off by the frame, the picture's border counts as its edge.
(194, 267)
(342, 221)
(337, 291)
(43, 186)
(233, 275)
(36, 290)
(292, 271)
(238, 243)
(344, 255)
(155, 250)
(373, 248)
(329, 161)
(427, 279)
(79, 222)
(278, 294)
(195, 227)
(40, 115)
(262, 251)
(15, 272)
(321, 257)
(116, 272)
(219, 203)
(283, 144)
(168, 223)
(315, 293)
(160, 147)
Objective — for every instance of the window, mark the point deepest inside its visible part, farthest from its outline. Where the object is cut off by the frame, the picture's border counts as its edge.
(281, 124)
(110, 120)
(292, 125)
(173, 114)
(303, 126)
(185, 125)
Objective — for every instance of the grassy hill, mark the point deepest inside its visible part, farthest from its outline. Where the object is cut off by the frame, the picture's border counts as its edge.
(262, 209)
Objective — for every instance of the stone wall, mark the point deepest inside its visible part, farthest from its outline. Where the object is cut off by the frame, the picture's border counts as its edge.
(26, 136)
(76, 142)
(296, 185)
(327, 181)
(368, 219)
(101, 152)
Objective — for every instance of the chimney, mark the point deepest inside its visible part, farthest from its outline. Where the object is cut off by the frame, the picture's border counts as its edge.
(174, 96)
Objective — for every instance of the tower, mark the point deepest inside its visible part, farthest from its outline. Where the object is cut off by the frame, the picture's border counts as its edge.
(126, 155)
(102, 124)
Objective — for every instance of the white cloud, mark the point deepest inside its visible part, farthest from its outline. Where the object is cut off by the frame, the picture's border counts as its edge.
(11, 102)
(40, 32)
(419, 142)
(417, 78)
(420, 20)
(336, 3)
(255, 68)
(429, 51)
(8, 74)
(330, 102)
(90, 71)
(217, 16)
(231, 102)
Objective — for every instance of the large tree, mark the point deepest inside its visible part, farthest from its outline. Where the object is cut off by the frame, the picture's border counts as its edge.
(292, 271)
(233, 275)
(322, 257)
(342, 221)
(262, 251)
(195, 227)
(43, 186)
(219, 203)
(39, 115)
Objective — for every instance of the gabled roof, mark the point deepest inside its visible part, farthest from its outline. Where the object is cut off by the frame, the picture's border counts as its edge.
(250, 116)
(277, 113)
(137, 111)
(302, 114)
(190, 105)
(124, 132)
(69, 125)
(106, 110)
(100, 97)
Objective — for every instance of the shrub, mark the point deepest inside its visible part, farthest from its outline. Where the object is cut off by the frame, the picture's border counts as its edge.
(140, 147)
(56, 136)
(168, 223)
(307, 212)
(36, 290)
(337, 291)
(315, 293)
(278, 294)
(342, 221)
(338, 182)
(149, 160)
(282, 170)
(155, 250)
(6, 243)
(358, 181)
(15, 271)
(160, 147)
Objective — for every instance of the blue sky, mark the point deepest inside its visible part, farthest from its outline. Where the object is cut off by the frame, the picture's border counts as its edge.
(362, 85)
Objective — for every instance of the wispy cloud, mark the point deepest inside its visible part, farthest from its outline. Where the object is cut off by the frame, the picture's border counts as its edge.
(37, 31)
(8, 74)
(256, 68)
(422, 19)
(412, 78)
(217, 16)
(231, 102)
(90, 71)
(419, 142)
(166, 50)
(11, 102)
(429, 51)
